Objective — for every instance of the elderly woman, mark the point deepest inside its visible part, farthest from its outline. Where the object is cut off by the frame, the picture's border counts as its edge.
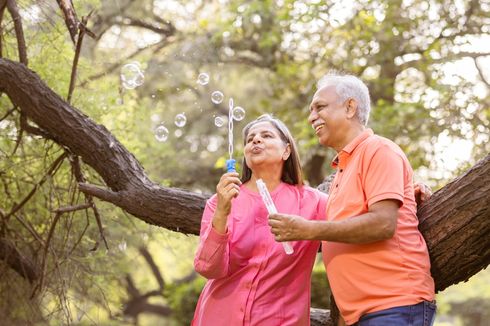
(251, 280)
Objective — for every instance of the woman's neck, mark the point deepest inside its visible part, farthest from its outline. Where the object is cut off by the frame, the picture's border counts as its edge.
(272, 180)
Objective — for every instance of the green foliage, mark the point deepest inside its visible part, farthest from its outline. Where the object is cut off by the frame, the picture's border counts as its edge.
(320, 289)
(183, 300)
(468, 302)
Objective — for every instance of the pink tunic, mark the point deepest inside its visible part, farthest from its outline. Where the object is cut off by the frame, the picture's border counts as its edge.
(251, 279)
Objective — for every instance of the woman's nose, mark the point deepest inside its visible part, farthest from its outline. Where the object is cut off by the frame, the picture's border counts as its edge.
(256, 140)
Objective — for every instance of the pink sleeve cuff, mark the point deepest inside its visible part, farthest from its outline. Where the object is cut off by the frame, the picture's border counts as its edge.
(215, 236)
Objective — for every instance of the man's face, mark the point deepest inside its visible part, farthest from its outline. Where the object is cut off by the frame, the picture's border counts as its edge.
(328, 116)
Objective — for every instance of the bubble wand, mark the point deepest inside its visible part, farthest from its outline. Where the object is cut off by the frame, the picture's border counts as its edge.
(230, 163)
(271, 208)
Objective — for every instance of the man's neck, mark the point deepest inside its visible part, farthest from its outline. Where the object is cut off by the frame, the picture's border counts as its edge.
(351, 134)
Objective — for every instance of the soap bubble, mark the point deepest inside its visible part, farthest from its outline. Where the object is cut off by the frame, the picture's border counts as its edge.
(217, 97)
(161, 133)
(203, 78)
(131, 76)
(136, 63)
(129, 84)
(130, 71)
(122, 246)
(256, 19)
(238, 113)
(229, 52)
(180, 120)
(155, 117)
(219, 122)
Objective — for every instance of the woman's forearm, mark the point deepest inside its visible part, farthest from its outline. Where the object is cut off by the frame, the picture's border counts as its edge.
(219, 222)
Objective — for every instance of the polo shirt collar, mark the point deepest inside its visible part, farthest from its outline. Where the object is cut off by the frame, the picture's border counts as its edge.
(339, 159)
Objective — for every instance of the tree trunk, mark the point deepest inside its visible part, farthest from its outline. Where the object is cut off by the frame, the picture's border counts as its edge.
(455, 221)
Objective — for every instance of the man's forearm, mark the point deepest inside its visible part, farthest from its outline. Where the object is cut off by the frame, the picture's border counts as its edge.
(364, 228)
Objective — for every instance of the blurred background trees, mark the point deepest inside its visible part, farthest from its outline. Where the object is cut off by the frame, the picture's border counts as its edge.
(425, 62)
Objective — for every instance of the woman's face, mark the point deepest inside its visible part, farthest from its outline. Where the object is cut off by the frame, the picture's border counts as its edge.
(264, 147)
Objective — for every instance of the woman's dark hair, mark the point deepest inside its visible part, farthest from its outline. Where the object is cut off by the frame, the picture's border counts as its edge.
(291, 172)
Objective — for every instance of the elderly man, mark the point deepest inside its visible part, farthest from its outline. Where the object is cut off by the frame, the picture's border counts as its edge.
(376, 259)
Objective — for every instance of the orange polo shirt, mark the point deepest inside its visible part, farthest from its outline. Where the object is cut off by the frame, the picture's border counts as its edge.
(370, 277)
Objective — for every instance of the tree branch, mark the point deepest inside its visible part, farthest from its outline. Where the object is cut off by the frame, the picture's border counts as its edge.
(77, 171)
(479, 68)
(20, 264)
(75, 208)
(70, 16)
(154, 268)
(137, 303)
(19, 135)
(167, 29)
(448, 58)
(3, 5)
(19, 30)
(24, 124)
(74, 67)
(54, 166)
(9, 112)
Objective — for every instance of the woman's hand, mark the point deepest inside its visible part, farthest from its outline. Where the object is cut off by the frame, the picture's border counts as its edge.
(228, 188)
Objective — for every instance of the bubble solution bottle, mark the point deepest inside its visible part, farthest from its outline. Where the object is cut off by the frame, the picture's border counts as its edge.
(271, 208)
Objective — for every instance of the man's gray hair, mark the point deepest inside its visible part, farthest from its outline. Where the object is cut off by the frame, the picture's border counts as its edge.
(348, 86)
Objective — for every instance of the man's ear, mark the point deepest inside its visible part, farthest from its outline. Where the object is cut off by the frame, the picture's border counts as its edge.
(351, 108)
(287, 152)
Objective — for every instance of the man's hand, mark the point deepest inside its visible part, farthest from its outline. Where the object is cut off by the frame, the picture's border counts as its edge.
(422, 193)
(289, 227)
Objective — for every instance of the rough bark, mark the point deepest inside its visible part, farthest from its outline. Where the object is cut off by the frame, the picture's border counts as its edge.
(320, 317)
(314, 169)
(455, 221)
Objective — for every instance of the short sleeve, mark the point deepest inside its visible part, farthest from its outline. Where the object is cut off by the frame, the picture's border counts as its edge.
(384, 177)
